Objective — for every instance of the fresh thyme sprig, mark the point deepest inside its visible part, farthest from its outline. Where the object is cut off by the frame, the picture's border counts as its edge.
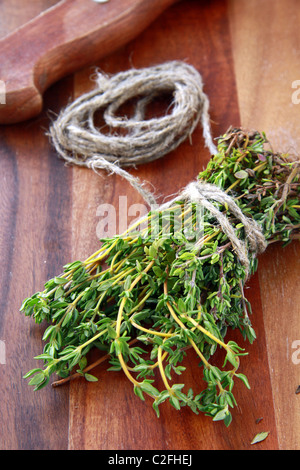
(168, 285)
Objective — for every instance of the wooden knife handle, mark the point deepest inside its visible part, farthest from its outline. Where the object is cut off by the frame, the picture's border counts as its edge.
(66, 37)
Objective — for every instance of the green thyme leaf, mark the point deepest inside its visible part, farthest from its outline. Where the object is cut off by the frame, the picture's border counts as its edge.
(261, 436)
(90, 378)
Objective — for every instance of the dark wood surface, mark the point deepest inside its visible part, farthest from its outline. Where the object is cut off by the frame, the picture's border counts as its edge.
(48, 216)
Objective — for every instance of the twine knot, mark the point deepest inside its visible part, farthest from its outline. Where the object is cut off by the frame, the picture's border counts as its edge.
(203, 193)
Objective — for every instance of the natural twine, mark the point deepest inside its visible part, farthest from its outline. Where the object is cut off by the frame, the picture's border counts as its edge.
(78, 141)
(201, 193)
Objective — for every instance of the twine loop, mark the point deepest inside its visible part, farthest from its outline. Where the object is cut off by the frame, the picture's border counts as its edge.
(136, 140)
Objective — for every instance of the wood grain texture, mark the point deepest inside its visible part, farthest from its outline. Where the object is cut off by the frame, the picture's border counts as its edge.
(35, 209)
(267, 61)
(35, 203)
(49, 216)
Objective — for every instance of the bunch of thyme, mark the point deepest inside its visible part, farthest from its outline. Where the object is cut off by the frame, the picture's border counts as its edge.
(148, 295)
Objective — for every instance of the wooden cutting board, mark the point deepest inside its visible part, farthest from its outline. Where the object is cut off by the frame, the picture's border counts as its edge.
(249, 55)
